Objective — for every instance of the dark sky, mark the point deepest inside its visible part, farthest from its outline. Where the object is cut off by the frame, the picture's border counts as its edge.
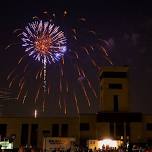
(126, 25)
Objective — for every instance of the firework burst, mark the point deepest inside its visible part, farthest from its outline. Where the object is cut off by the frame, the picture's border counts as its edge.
(67, 63)
(44, 41)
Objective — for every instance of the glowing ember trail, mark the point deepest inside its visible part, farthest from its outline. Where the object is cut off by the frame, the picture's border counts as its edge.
(67, 63)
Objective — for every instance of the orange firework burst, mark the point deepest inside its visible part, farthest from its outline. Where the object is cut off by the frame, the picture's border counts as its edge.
(43, 44)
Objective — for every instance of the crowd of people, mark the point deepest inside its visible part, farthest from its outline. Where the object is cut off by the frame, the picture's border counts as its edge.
(133, 148)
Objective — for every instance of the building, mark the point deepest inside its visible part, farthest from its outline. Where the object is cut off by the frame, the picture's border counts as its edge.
(114, 120)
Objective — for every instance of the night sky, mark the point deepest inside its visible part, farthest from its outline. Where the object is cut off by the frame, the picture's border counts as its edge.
(126, 25)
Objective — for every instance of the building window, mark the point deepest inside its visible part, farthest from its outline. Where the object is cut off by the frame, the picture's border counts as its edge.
(55, 130)
(24, 134)
(46, 133)
(64, 130)
(3, 129)
(119, 130)
(84, 126)
(115, 86)
(111, 127)
(113, 75)
(149, 126)
(115, 103)
(34, 134)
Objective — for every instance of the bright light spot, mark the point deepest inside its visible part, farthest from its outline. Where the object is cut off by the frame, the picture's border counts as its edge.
(6, 145)
(108, 142)
(65, 12)
(35, 113)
